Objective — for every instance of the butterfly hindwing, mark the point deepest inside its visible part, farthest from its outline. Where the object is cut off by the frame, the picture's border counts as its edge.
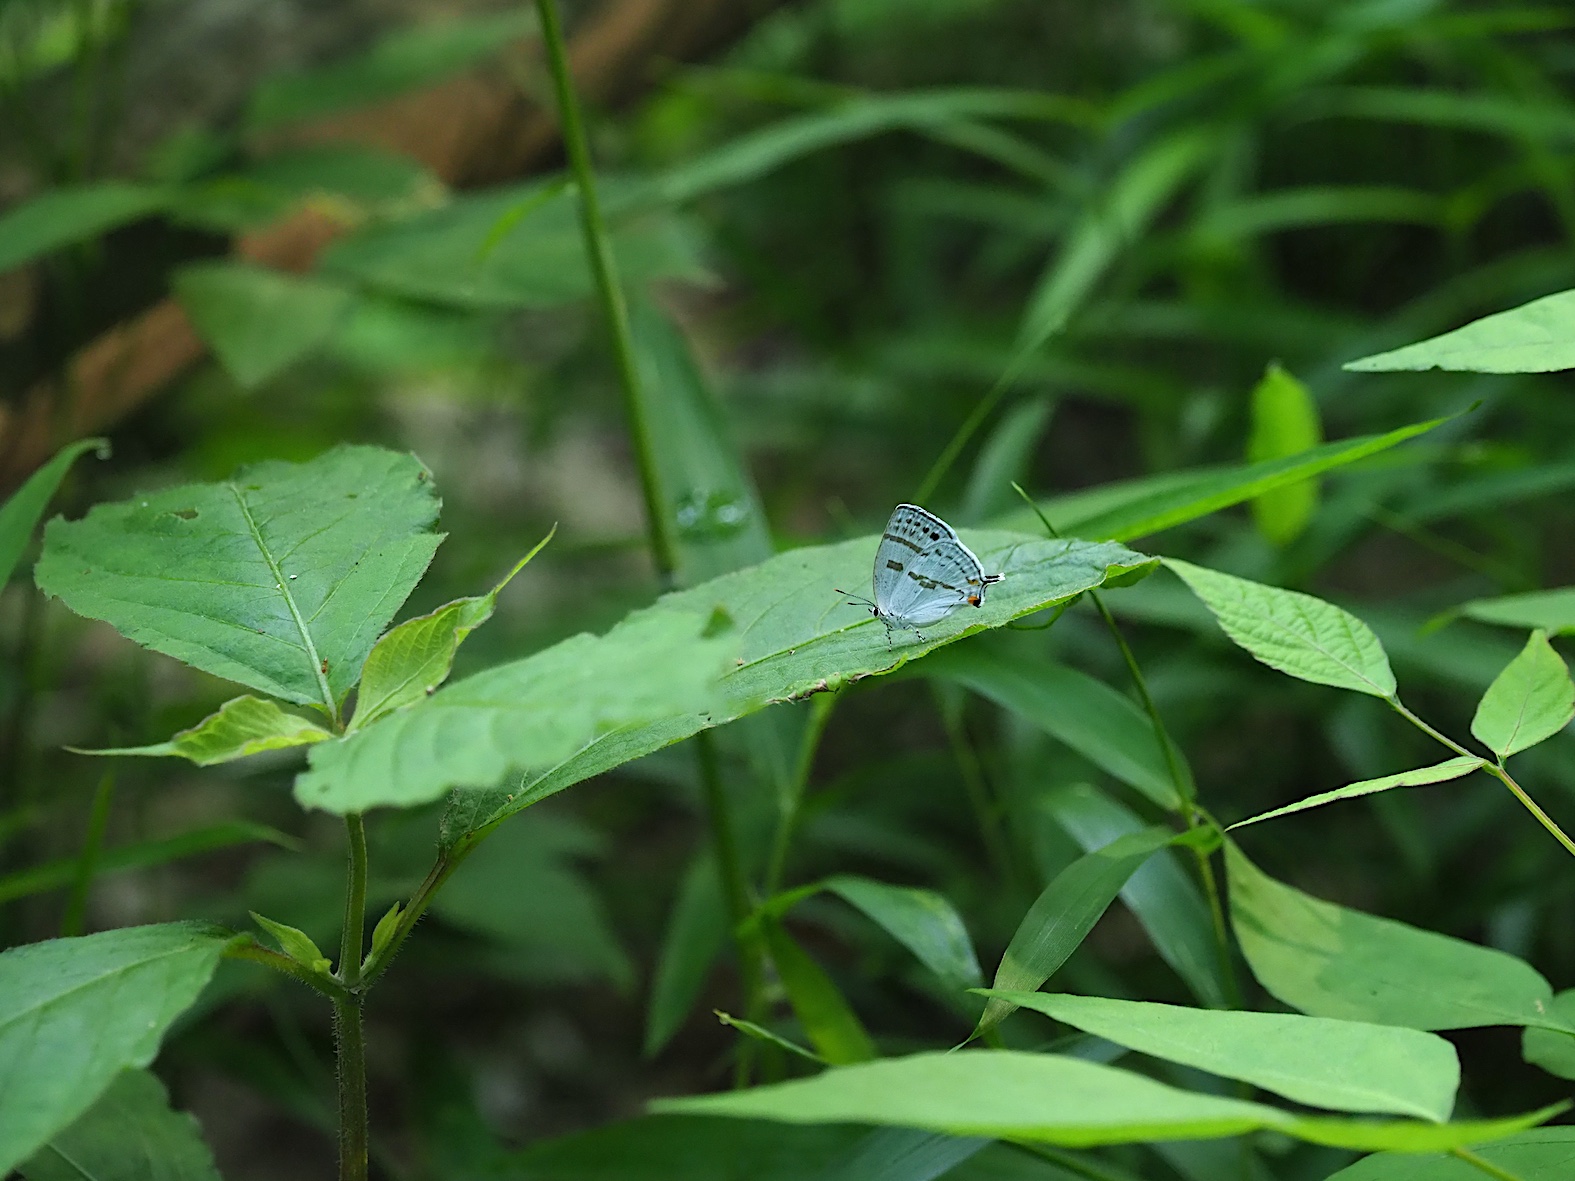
(923, 571)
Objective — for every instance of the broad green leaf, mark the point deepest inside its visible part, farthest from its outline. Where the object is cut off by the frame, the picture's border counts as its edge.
(295, 943)
(280, 578)
(1438, 773)
(69, 214)
(696, 933)
(20, 514)
(1329, 961)
(399, 62)
(522, 890)
(1537, 337)
(713, 511)
(1163, 896)
(921, 920)
(1295, 633)
(1551, 1049)
(1004, 457)
(1340, 1065)
(1284, 422)
(1102, 725)
(1118, 216)
(130, 1134)
(793, 637)
(1065, 912)
(410, 661)
(1129, 509)
(1317, 205)
(243, 726)
(830, 1022)
(1540, 1154)
(1551, 610)
(56, 875)
(74, 1013)
(527, 713)
(257, 320)
(1052, 1099)
(1529, 702)
(452, 255)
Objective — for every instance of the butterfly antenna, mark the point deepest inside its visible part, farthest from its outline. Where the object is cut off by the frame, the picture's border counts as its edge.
(853, 598)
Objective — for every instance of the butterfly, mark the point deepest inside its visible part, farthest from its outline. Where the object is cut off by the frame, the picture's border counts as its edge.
(923, 572)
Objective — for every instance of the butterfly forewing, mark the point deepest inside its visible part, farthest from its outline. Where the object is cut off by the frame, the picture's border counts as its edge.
(923, 572)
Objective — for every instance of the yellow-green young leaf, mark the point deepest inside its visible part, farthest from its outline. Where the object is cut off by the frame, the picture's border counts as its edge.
(1341, 1065)
(1438, 773)
(1551, 1049)
(1329, 961)
(281, 577)
(294, 943)
(1537, 337)
(1295, 633)
(413, 659)
(383, 933)
(1284, 422)
(1541, 1154)
(21, 512)
(130, 1134)
(1064, 913)
(833, 1028)
(1011, 1095)
(1551, 610)
(74, 1013)
(1529, 702)
(244, 726)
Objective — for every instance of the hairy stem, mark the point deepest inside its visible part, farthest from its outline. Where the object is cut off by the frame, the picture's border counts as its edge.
(349, 1042)
(258, 954)
(87, 863)
(1496, 770)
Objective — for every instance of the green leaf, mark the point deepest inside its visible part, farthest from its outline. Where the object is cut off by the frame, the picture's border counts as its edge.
(1004, 457)
(1162, 895)
(294, 943)
(1128, 509)
(831, 1024)
(56, 875)
(1552, 1049)
(130, 1134)
(243, 726)
(717, 520)
(761, 1034)
(794, 637)
(522, 890)
(1051, 1099)
(1102, 725)
(1551, 610)
(1537, 337)
(383, 933)
(1438, 773)
(696, 933)
(1329, 961)
(1340, 1065)
(410, 661)
(1529, 702)
(69, 214)
(259, 321)
(1541, 1154)
(20, 514)
(74, 1013)
(1065, 912)
(280, 578)
(1284, 422)
(399, 62)
(921, 920)
(1295, 633)
(453, 255)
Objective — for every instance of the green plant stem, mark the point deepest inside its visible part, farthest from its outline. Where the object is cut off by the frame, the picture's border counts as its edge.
(256, 953)
(87, 863)
(787, 823)
(1486, 1166)
(984, 806)
(1496, 770)
(349, 1041)
(609, 292)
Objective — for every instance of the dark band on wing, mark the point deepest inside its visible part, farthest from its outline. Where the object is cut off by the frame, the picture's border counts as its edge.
(918, 549)
(892, 564)
(932, 583)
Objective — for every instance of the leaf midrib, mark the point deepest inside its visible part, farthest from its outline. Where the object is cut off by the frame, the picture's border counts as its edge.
(281, 584)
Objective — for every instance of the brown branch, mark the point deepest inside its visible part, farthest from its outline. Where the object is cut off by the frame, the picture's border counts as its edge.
(473, 129)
